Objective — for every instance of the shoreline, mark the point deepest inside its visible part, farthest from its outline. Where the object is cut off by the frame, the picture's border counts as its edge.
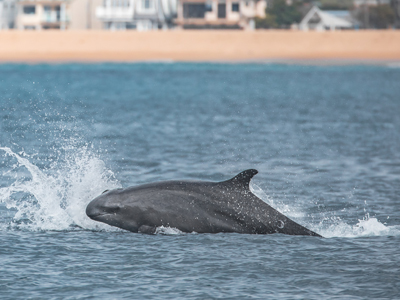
(287, 62)
(370, 47)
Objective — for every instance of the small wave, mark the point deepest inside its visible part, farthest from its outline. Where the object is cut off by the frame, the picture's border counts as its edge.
(393, 65)
(168, 231)
(368, 226)
(55, 198)
(332, 226)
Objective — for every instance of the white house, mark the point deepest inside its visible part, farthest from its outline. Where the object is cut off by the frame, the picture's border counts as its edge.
(137, 14)
(317, 19)
(238, 14)
(81, 15)
(8, 13)
(41, 14)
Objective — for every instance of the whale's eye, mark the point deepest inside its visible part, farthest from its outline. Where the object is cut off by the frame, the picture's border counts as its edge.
(105, 191)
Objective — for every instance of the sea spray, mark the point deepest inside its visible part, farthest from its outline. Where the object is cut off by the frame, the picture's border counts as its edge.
(55, 198)
(334, 226)
(281, 207)
(168, 231)
(331, 225)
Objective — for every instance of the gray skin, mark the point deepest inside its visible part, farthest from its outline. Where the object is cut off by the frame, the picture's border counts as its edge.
(192, 206)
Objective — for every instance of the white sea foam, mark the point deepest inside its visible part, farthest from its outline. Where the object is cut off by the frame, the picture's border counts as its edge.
(55, 198)
(332, 226)
(394, 65)
(168, 231)
(368, 226)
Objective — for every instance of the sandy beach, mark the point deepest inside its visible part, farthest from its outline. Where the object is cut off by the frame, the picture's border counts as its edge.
(103, 46)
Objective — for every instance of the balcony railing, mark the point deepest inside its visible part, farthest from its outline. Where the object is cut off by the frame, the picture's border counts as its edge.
(51, 16)
(119, 13)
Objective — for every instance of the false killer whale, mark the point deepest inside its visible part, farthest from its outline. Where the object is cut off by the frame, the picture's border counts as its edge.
(192, 206)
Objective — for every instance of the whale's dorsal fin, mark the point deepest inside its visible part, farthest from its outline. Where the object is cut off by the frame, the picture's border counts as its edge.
(243, 178)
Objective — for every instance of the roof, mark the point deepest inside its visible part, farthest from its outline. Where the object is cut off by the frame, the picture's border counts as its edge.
(328, 18)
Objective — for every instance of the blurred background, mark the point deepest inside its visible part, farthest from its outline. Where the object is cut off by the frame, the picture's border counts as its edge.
(201, 30)
(143, 15)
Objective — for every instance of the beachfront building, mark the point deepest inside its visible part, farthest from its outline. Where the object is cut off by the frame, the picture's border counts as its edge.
(81, 15)
(396, 8)
(317, 19)
(234, 14)
(7, 14)
(141, 15)
(57, 14)
(41, 14)
(358, 3)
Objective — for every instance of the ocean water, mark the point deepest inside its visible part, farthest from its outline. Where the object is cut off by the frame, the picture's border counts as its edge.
(325, 140)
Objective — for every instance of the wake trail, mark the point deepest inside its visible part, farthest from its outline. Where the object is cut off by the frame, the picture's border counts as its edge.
(331, 226)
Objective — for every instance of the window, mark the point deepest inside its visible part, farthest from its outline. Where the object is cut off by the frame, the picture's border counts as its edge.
(315, 19)
(29, 10)
(235, 6)
(208, 6)
(117, 3)
(58, 13)
(221, 10)
(193, 10)
(130, 26)
(147, 4)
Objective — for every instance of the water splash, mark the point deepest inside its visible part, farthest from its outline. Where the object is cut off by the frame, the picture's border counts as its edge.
(331, 226)
(281, 207)
(168, 231)
(55, 198)
(367, 226)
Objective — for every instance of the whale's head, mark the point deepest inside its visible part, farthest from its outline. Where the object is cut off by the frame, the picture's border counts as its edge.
(111, 208)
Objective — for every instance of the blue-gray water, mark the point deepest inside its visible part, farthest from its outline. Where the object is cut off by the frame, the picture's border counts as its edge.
(326, 141)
